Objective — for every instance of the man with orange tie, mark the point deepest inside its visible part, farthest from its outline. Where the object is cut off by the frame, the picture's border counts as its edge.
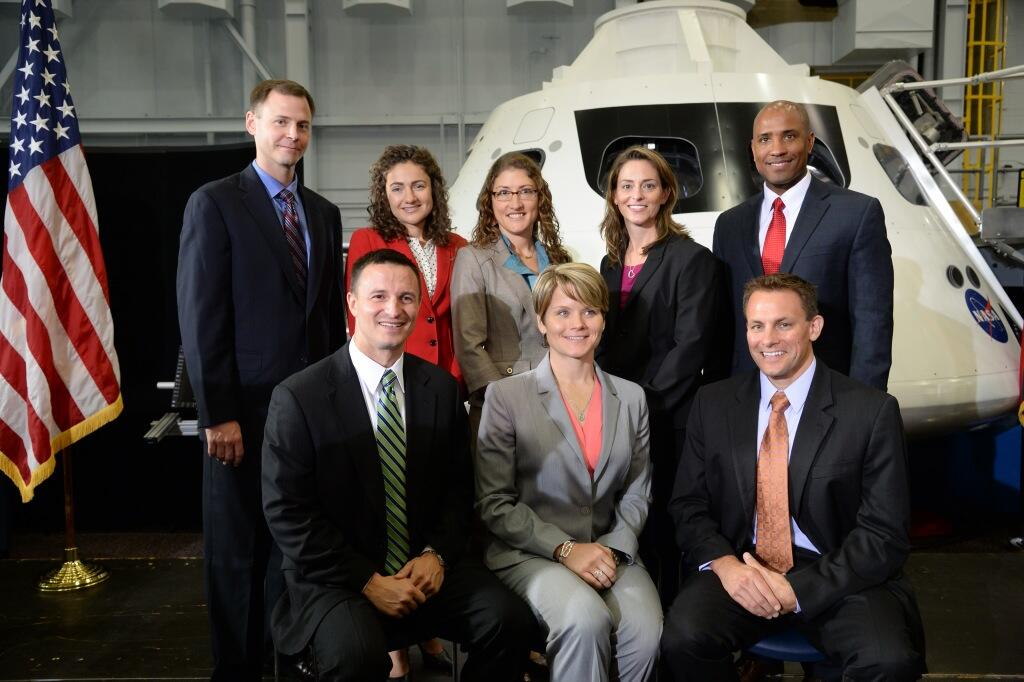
(830, 236)
(792, 508)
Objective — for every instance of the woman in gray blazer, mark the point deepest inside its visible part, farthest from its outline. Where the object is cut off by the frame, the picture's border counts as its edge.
(563, 486)
(515, 238)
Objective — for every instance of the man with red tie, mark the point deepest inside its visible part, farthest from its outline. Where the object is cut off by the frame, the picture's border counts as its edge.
(792, 509)
(828, 235)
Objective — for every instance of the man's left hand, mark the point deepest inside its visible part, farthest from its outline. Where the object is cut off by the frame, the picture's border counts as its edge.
(425, 571)
(777, 581)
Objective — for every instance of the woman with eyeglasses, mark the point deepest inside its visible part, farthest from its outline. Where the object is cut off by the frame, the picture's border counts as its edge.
(662, 324)
(515, 238)
(563, 485)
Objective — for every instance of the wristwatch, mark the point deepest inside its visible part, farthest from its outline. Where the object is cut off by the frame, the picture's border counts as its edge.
(431, 550)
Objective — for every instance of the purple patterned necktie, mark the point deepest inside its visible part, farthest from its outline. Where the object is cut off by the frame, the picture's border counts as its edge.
(292, 235)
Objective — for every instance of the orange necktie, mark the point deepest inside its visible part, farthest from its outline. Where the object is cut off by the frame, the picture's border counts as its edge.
(774, 239)
(774, 536)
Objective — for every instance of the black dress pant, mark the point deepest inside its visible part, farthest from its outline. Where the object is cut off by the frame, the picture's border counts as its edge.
(875, 634)
(242, 564)
(472, 607)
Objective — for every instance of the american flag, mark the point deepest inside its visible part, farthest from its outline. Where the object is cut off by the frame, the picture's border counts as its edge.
(59, 377)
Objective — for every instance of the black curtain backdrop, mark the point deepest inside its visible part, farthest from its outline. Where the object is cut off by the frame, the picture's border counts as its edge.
(121, 483)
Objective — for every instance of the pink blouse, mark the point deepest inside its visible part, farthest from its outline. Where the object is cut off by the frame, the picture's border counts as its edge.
(588, 433)
(629, 275)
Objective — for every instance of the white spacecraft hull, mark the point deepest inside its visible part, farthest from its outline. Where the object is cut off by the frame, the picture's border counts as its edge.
(695, 72)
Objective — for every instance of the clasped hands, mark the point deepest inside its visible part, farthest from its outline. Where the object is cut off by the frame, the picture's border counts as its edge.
(593, 562)
(757, 588)
(400, 594)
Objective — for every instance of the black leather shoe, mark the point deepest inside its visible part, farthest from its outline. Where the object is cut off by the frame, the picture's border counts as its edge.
(440, 662)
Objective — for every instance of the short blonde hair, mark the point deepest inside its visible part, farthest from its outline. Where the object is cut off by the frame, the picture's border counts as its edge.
(579, 281)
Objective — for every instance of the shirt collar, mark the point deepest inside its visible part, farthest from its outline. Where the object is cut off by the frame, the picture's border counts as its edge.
(273, 185)
(796, 392)
(794, 196)
(515, 265)
(370, 373)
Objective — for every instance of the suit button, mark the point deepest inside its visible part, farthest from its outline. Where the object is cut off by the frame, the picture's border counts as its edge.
(303, 360)
(430, 319)
(508, 370)
(433, 342)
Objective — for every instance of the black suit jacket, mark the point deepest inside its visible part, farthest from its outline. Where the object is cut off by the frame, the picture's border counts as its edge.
(838, 244)
(663, 337)
(847, 483)
(323, 490)
(245, 324)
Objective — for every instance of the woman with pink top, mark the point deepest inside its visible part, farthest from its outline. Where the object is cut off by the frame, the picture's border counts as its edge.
(563, 486)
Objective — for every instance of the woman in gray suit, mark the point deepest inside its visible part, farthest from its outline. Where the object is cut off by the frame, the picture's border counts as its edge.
(563, 486)
(515, 238)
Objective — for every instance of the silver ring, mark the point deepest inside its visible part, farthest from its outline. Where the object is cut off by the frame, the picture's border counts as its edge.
(223, 461)
(598, 573)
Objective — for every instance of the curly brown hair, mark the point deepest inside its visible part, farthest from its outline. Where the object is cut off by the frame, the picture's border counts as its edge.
(613, 226)
(487, 231)
(438, 225)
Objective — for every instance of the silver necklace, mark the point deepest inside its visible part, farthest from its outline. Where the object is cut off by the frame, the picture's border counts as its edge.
(631, 270)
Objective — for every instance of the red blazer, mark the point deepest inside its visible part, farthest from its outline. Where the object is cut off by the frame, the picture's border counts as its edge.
(432, 335)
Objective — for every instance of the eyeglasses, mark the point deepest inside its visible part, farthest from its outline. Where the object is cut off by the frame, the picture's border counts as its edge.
(505, 195)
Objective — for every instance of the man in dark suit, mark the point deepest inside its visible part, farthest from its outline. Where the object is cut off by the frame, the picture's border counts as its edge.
(830, 236)
(792, 508)
(259, 298)
(367, 488)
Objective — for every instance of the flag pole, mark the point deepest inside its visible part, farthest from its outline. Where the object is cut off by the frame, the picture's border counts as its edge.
(73, 574)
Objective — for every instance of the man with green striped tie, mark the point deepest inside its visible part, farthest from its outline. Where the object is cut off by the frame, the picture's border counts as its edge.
(367, 488)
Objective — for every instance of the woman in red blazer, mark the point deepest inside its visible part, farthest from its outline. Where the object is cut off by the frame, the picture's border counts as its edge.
(409, 213)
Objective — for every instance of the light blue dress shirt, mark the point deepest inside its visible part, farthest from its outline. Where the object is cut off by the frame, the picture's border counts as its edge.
(796, 393)
(515, 265)
(273, 187)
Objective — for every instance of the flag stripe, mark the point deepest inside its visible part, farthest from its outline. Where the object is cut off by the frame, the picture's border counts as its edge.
(12, 444)
(64, 409)
(25, 421)
(70, 312)
(77, 219)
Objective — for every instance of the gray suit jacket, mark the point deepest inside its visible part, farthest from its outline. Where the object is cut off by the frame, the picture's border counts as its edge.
(495, 328)
(533, 488)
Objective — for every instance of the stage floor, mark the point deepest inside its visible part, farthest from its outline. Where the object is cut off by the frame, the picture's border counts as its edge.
(148, 621)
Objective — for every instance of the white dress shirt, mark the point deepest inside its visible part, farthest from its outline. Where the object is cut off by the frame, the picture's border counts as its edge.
(792, 199)
(370, 373)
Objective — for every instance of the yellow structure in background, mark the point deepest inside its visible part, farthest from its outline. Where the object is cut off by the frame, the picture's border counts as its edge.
(983, 103)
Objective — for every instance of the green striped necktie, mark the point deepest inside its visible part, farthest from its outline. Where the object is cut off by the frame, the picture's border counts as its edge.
(391, 447)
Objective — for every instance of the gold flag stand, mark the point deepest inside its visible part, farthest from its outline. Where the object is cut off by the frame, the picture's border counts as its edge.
(73, 574)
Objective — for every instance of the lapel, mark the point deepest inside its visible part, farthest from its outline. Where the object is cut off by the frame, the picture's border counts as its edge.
(815, 423)
(360, 442)
(257, 202)
(553, 406)
(420, 420)
(514, 282)
(750, 218)
(743, 440)
(609, 422)
(654, 260)
(317, 246)
(811, 211)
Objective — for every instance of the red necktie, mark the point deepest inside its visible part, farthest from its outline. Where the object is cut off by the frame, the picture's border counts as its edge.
(774, 535)
(774, 239)
(292, 234)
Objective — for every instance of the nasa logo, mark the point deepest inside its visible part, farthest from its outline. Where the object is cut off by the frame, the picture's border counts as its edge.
(986, 317)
